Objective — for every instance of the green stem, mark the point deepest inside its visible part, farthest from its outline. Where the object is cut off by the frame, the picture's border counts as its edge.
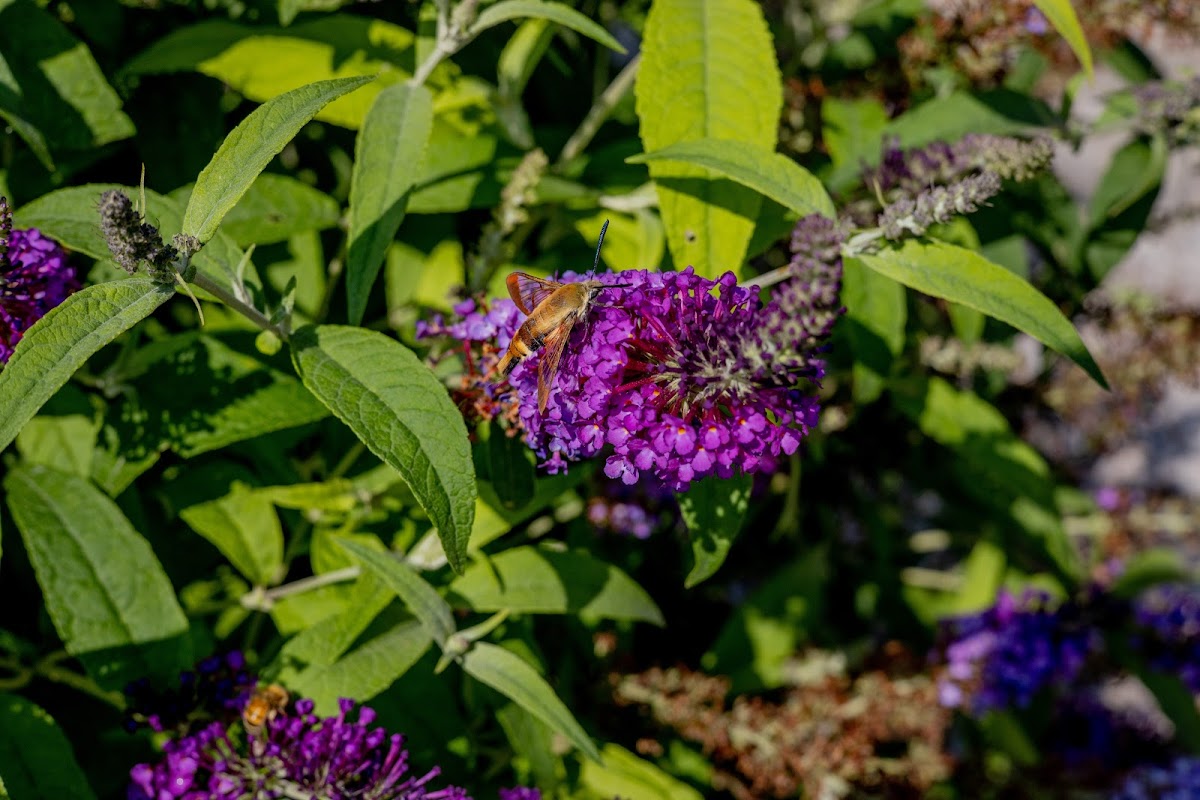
(82, 683)
(245, 309)
(599, 111)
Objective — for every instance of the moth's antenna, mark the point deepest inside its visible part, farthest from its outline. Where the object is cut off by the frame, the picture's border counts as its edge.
(596, 263)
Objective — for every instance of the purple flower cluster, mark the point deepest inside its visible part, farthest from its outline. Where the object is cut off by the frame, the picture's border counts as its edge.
(1177, 780)
(1167, 618)
(297, 756)
(34, 278)
(678, 376)
(909, 172)
(520, 793)
(622, 518)
(1002, 657)
(218, 686)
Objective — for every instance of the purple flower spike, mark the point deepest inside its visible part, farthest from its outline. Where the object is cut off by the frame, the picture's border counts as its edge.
(34, 278)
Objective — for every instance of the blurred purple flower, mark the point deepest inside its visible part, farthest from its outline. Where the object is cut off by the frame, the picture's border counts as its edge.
(1036, 23)
(1002, 657)
(217, 685)
(1167, 618)
(520, 793)
(1179, 779)
(297, 756)
(34, 278)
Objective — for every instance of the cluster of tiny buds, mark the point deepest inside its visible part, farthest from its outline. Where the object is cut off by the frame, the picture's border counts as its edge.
(133, 241)
(5, 232)
(939, 204)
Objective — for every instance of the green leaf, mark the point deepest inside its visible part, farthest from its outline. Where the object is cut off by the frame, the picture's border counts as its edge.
(388, 160)
(876, 313)
(400, 410)
(277, 207)
(714, 511)
(321, 645)
(60, 342)
(999, 111)
(69, 215)
(962, 276)
(771, 174)
(852, 130)
(248, 149)
(1148, 568)
(514, 678)
(36, 759)
(536, 580)
(555, 12)
(12, 113)
(243, 525)
(625, 775)
(1062, 16)
(1134, 171)
(63, 435)
(421, 598)
(708, 72)
(261, 62)
(103, 587)
(55, 83)
(511, 469)
(366, 670)
(1177, 702)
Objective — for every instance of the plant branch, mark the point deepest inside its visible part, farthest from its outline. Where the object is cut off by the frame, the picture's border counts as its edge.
(599, 111)
(245, 309)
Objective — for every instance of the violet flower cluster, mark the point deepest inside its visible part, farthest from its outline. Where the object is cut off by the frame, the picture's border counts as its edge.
(1169, 107)
(929, 185)
(1004, 656)
(677, 376)
(300, 755)
(1167, 620)
(217, 686)
(34, 278)
(1178, 779)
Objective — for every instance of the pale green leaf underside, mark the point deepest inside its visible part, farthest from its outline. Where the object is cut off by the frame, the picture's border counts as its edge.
(421, 598)
(512, 677)
(771, 174)
(555, 12)
(708, 72)
(963, 276)
(60, 342)
(250, 146)
(388, 160)
(400, 410)
(102, 584)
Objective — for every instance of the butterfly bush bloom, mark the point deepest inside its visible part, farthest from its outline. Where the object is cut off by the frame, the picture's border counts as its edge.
(1179, 779)
(34, 278)
(218, 685)
(1167, 619)
(299, 755)
(1002, 657)
(675, 375)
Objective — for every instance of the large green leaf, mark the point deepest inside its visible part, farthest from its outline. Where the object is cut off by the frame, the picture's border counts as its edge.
(540, 581)
(388, 159)
(963, 276)
(400, 410)
(250, 146)
(60, 342)
(104, 589)
(514, 678)
(55, 83)
(421, 598)
(876, 313)
(69, 215)
(63, 435)
(243, 525)
(555, 12)
(1000, 111)
(771, 174)
(714, 511)
(625, 775)
(366, 670)
(36, 760)
(277, 207)
(1062, 16)
(708, 72)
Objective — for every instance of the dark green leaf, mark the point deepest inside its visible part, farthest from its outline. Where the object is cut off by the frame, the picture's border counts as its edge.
(876, 313)
(103, 586)
(36, 760)
(388, 160)
(512, 677)
(60, 342)
(511, 469)
(962, 276)
(400, 410)
(541, 581)
(248, 149)
(277, 207)
(714, 510)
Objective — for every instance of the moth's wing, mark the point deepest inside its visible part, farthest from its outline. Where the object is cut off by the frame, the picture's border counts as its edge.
(548, 366)
(528, 291)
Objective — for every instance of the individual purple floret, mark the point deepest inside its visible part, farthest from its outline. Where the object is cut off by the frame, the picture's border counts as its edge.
(520, 793)
(1002, 657)
(298, 756)
(1168, 623)
(34, 278)
(1179, 779)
